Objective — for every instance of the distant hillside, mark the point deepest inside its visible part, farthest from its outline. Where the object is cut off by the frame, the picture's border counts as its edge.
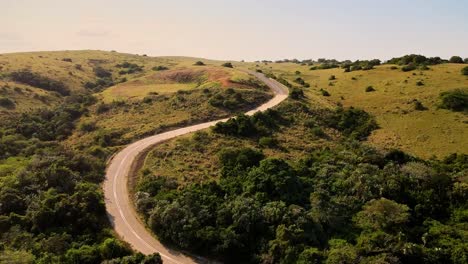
(405, 102)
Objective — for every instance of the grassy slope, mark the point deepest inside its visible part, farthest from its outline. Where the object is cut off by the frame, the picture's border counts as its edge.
(193, 158)
(423, 133)
(167, 104)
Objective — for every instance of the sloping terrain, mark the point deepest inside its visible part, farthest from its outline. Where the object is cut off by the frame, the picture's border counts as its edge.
(405, 104)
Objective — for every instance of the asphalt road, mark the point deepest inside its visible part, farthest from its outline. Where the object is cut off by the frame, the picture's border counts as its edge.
(120, 208)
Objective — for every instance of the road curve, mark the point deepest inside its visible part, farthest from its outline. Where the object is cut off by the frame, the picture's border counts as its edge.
(119, 205)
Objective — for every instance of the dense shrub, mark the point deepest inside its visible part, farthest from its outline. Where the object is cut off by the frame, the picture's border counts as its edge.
(456, 100)
(296, 93)
(416, 60)
(199, 63)
(260, 124)
(352, 122)
(370, 89)
(27, 77)
(129, 68)
(53, 124)
(456, 59)
(418, 106)
(227, 65)
(228, 99)
(409, 67)
(267, 142)
(325, 92)
(102, 73)
(464, 71)
(300, 81)
(160, 68)
(265, 210)
(7, 103)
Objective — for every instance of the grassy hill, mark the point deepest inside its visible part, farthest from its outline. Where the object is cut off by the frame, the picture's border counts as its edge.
(135, 95)
(425, 132)
(302, 183)
(62, 114)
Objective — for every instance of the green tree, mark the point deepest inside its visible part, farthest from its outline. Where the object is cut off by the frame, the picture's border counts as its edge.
(382, 214)
(456, 59)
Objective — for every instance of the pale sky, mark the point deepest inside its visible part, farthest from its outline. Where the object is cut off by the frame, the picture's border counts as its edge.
(239, 29)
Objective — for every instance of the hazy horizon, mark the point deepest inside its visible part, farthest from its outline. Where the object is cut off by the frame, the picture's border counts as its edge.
(239, 30)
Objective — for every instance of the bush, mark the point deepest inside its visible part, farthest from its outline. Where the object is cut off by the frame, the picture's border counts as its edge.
(27, 77)
(7, 103)
(325, 92)
(464, 71)
(102, 108)
(418, 106)
(419, 83)
(227, 65)
(332, 77)
(424, 67)
(88, 126)
(370, 89)
(352, 122)
(67, 60)
(129, 68)
(102, 73)
(199, 63)
(456, 100)
(456, 59)
(409, 67)
(318, 132)
(160, 68)
(296, 93)
(267, 142)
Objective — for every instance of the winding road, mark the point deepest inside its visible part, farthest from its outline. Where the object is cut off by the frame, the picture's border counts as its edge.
(119, 205)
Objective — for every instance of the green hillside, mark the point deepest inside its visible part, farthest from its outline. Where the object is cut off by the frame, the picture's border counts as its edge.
(63, 114)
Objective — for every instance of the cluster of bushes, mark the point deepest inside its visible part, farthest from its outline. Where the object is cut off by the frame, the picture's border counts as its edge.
(415, 59)
(302, 82)
(325, 66)
(160, 68)
(464, 71)
(360, 65)
(229, 99)
(227, 65)
(370, 89)
(199, 63)
(7, 103)
(260, 124)
(129, 68)
(296, 93)
(51, 204)
(104, 80)
(352, 122)
(251, 82)
(54, 124)
(456, 100)
(347, 205)
(28, 77)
